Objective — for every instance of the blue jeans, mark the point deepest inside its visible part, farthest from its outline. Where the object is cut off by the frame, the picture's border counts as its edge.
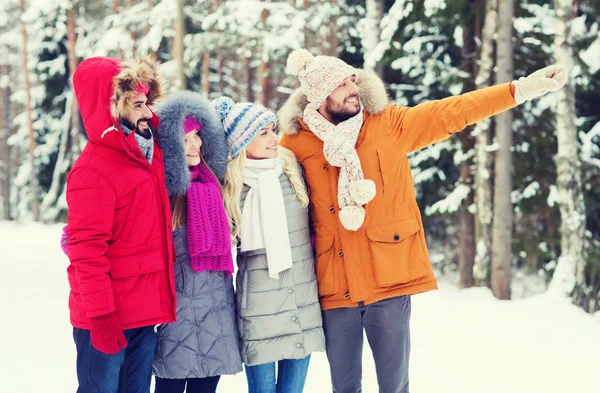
(290, 378)
(129, 371)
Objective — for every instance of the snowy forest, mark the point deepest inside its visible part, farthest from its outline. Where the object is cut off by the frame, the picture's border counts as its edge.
(512, 204)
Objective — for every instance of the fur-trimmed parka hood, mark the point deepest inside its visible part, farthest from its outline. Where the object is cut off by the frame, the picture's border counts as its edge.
(371, 92)
(172, 112)
(103, 85)
(135, 73)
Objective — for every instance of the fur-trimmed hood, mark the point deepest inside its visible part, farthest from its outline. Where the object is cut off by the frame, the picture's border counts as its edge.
(143, 71)
(172, 111)
(102, 86)
(371, 92)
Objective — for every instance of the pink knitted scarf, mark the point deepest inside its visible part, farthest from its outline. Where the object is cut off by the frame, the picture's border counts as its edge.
(209, 243)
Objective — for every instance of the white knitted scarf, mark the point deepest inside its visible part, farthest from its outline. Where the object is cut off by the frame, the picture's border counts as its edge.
(339, 143)
(264, 220)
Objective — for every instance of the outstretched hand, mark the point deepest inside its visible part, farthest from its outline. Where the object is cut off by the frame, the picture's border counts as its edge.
(543, 81)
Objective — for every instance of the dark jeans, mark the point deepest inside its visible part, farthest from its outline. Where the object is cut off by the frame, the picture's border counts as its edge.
(194, 385)
(289, 378)
(387, 324)
(129, 371)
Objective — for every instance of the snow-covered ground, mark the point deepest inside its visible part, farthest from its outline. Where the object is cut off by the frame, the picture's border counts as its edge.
(462, 341)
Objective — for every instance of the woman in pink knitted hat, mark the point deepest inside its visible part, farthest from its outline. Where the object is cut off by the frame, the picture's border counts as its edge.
(203, 343)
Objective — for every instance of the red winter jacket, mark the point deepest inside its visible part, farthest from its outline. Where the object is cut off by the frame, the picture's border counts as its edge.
(119, 219)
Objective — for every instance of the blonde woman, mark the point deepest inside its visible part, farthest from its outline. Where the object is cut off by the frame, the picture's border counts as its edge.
(278, 312)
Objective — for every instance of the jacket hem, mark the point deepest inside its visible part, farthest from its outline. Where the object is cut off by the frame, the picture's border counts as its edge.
(132, 325)
(327, 304)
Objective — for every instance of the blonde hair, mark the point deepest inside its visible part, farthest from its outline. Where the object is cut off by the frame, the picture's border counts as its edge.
(233, 185)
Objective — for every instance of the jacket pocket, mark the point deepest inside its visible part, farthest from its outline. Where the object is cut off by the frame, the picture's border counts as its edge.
(325, 260)
(133, 265)
(396, 252)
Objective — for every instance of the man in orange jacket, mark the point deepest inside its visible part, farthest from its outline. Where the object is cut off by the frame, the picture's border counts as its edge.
(370, 243)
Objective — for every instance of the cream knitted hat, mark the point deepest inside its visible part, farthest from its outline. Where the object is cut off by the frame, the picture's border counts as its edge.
(319, 75)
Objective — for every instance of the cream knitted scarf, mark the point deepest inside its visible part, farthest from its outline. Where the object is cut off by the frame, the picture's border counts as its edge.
(339, 143)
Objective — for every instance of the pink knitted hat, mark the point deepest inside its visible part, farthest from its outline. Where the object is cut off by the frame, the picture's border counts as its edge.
(319, 75)
(190, 124)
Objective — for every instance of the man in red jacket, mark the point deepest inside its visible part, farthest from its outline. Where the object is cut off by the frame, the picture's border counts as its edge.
(119, 246)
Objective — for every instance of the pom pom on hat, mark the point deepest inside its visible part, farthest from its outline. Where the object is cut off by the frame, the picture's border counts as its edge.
(223, 106)
(241, 122)
(298, 60)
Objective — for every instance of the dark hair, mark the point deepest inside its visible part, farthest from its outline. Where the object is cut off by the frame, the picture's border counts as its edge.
(178, 210)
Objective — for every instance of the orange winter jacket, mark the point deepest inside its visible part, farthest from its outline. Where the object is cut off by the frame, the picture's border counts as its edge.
(387, 256)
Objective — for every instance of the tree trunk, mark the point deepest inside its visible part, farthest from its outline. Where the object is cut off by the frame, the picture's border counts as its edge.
(237, 76)
(220, 62)
(206, 74)
(72, 55)
(249, 78)
(263, 71)
(5, 159)
(178, 46)
(276, 79)
(466, 254)
(503, 210)
(568, 278)
(35, 200)
(483, 158)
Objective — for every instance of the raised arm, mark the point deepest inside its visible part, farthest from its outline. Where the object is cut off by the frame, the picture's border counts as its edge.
(433, 121)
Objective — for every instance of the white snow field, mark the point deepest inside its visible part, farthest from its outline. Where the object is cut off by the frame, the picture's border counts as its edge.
(462, 341)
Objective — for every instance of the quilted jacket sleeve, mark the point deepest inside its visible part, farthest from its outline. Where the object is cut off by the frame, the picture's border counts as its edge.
(91, 200)
(433, 121)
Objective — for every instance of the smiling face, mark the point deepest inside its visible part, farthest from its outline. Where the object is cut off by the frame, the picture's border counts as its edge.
(264, 144)
(342, 103)
(192, 143)
(138, 115)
